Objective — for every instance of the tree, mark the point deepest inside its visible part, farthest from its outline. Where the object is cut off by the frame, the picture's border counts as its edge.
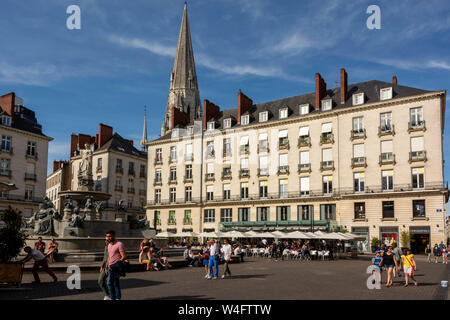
(12, 238)
(405, 238)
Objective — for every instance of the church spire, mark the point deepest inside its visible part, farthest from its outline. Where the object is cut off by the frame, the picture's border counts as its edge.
(144, 140)
(183, 92)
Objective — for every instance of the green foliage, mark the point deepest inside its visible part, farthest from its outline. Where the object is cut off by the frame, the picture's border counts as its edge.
(374, 242)
(12, 238)
(405, 238)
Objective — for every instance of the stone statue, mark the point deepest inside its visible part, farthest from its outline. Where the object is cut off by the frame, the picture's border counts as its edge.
(135, 223)
(86, 161)
(120, 215)
(44, 218)
(99, 206)
(68, 203)
(89, 203)
(76, 221)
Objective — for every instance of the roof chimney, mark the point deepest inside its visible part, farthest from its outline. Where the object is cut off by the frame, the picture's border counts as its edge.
(344, 85)
(104, 134)
(179, 117)
(210, 111)
(321, 90)
(244, 104)
(7, 103)
(394, 80)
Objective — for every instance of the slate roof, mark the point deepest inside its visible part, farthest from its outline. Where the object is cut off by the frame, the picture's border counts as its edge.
(25, 120)
(370, 88)
(117, 143)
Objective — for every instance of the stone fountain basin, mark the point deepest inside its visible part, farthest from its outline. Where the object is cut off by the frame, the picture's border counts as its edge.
(82, 195)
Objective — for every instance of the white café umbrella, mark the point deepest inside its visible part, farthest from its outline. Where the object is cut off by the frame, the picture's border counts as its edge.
(215, 234)
(338, 236)
(251, 234)
(352, 237)
(185, 234)
(278, 234)
(324, 235)
(311, 235)
(265, 235)
(165, 235)
(234, 234)
(295, 235)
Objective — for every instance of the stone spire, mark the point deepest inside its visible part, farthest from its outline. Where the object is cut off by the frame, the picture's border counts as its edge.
(144, 132)
(183, 92)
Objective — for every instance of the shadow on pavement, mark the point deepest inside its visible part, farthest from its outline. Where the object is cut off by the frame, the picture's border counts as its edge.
(181, 298)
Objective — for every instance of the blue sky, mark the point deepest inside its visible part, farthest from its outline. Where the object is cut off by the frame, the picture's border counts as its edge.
(121, 58)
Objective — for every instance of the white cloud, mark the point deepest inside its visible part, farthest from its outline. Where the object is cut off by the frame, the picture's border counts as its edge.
(293, 44)
(439, 64)
(40, 74)
(154, 47)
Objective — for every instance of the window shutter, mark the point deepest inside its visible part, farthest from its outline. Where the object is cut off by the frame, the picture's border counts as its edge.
(311, 212)
(358, 150)
(282, 134)
(299, 213)
(289, 212)
(304, 184)
(210, 168)
(327, 154)
(304, 157)
(258, 213)
(189, 149)
(278, 213)
(322, 212)
(283, 159)
(263, 136)
(263, 162)
(244, 140)
(244, 163)
(416, 144)
(333, 211)
(304, 131)
(240, 214)
(386, 146)
(327, 127)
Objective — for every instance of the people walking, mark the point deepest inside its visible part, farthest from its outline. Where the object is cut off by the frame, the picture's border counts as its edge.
(389, 262)
(398, 256)
(428, 252)
(409, 266)
(52, 250)
(115, 265)
(214, 260)
(40, 260)
(226, 251)
(444, 254)
(102, 277)
(436, 253)
(376, 262)
(205, 259)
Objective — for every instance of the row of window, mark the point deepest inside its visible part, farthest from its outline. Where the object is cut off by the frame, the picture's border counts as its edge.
(387, 184)
(6, 146)
(5, 169)
(119, 167)
(283, 213)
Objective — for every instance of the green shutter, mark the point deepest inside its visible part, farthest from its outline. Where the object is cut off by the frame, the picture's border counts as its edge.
(240, 214)
(258, 212)
(322, 212)
(278, 213)
(333, 210)
(299, 213)
(289, 213)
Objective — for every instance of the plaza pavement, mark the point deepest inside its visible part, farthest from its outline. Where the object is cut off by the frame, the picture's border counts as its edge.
(256, 278)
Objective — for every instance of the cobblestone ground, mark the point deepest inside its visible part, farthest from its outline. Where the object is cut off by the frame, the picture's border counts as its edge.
(257, 278)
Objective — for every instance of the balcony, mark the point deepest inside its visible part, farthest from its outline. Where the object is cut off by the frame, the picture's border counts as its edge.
(326, 138)
(386, 130)
(416, 126)
(158, 161)
(187, 221)
(209, 177)
(171, 221)
(210, 154)
(263, 147)
(326, 165)
(226, 153)
(226, 174)
(98, 170)
(359, 162)
(283, 170)
(416, 156)
(244, 173)
(360, 216)
(142, 192)
(172, 180)
(30, 176)
(131, 172)
(188, 179)
(304, 167)
(172, 160)
(130, 190)
(119, 170)
(5, 172)
(244, 149)
(263, 172)
(387, 158)
(118, 188)
(7, 150)
(31, 155)
(283, 144)
(304, 141)
(157, 182)
(358, 134)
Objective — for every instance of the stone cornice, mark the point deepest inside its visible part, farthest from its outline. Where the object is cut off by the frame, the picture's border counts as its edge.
(39, 136)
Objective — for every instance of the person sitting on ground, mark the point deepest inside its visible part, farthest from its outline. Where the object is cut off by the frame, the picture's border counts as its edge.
(52, 250)
(40, 245)
(188, 256)
(165, 262)
(144, 244)
(238, 252)
(144, 258)
(156, 262)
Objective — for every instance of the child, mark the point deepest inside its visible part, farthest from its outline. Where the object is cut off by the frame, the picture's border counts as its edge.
(376, 264)
(409, 266)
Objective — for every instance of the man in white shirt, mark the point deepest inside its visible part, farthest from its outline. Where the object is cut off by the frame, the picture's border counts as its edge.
(226, 250)
(40, 260)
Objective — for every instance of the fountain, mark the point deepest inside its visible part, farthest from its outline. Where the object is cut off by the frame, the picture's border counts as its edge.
(80, 228)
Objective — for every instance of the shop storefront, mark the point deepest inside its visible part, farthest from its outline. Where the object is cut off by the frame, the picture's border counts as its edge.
(420, 237)
(389, 235)
(363, 246)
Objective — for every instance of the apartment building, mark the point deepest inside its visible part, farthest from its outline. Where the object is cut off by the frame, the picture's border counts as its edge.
(23, 155)
(118, 169)
(364, 157)
(59, 180)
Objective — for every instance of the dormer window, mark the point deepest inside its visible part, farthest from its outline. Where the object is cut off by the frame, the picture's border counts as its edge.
(326, 105)
(304, 109)
(227, 123)
(386, 93)
(175, 133)
(211, 125)
(263, 116)
(190, 130)
(245, 119)
(6, 121)
(358, 98)
(283, 113)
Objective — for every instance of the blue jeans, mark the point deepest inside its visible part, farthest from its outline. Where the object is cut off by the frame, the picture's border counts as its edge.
(215, 263)
(113, 282)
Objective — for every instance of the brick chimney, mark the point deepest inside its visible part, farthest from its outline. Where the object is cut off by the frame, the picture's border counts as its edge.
(321, 90)
(394, 80)
(179, 117)
(56, 165)
(73, 144)
(244, 104)
(7, 102)
(104, 134)
(344, 85)
(210, 111)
